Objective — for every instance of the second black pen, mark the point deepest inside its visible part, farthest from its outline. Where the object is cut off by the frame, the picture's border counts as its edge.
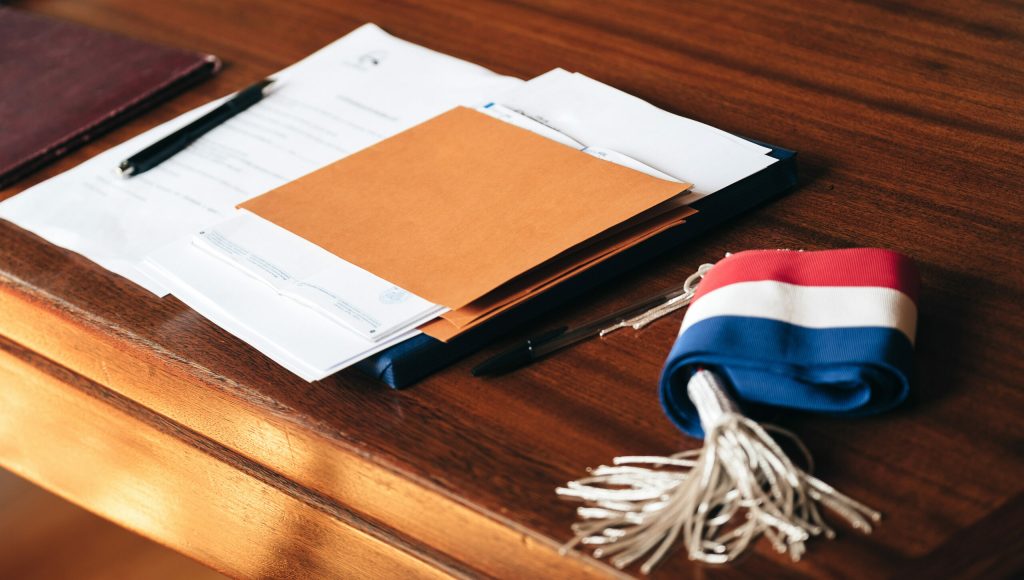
(170, 145)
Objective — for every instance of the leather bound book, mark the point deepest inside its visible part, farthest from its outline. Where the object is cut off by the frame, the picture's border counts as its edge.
(62, 84)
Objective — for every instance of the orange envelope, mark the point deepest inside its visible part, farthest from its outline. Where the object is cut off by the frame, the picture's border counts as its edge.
(459, 205)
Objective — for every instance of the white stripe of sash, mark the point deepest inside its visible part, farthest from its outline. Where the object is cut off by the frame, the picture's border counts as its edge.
(809, 306)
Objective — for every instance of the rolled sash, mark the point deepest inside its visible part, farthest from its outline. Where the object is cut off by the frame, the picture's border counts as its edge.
(828, 332)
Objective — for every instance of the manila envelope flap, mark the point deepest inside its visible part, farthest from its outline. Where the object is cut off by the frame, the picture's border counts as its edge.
(460, 204)
(456, 322)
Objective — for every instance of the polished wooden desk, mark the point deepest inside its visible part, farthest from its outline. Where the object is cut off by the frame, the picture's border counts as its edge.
(909, 124)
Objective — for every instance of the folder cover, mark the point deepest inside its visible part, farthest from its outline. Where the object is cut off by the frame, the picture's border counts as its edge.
(64, 83)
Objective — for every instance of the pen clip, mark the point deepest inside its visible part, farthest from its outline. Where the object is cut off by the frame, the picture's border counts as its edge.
(665, 308)
(660, 311)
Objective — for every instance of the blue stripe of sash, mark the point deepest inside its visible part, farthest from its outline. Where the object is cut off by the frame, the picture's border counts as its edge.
(844, 371)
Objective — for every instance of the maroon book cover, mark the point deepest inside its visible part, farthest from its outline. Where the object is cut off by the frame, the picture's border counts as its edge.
(62, 84)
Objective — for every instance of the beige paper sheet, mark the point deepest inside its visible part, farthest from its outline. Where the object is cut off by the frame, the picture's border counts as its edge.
(459, 205)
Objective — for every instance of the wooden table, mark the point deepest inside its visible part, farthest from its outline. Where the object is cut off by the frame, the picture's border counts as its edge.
(909, 125)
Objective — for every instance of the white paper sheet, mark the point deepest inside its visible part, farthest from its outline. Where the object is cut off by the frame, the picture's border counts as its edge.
(604, 118)
(346, 96)
(520, 120)
(293, 335)
(298, 270)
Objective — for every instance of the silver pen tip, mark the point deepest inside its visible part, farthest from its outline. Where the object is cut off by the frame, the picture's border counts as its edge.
(125, 170)
(268, 85)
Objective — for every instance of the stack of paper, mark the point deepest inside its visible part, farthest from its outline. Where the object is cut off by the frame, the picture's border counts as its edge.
(387, 190)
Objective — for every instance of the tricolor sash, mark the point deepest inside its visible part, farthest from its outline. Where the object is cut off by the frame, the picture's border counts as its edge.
(829, 331)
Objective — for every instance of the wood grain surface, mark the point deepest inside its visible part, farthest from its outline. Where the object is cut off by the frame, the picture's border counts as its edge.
(908, 120)
(47, 538)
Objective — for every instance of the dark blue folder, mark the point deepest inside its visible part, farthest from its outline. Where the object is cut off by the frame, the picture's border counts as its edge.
(412, 360)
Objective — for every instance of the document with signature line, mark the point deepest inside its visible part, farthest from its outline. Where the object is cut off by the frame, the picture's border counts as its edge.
(291, 334)
(367, 305)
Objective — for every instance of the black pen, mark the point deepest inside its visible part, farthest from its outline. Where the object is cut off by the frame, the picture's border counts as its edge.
(559, 338)
(165, 148)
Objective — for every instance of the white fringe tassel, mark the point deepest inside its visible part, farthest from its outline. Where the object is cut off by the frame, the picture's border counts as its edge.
(718, 499)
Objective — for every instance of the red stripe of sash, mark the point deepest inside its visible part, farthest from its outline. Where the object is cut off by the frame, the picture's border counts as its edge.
(849, 267)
